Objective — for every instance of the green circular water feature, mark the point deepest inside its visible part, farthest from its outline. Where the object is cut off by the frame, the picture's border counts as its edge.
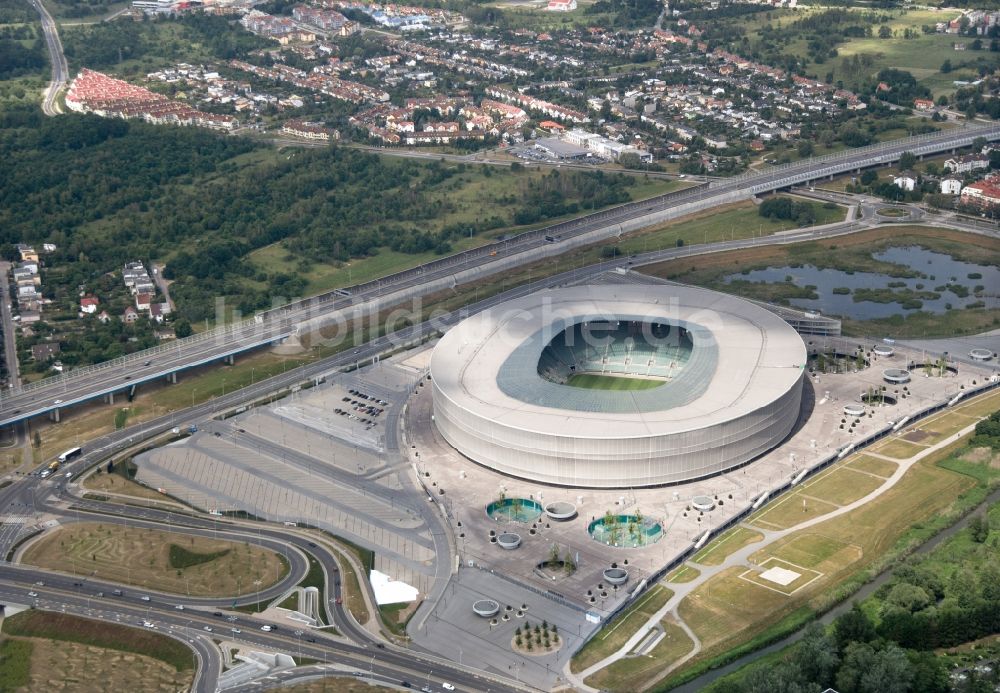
(514, 510)
(625, 531)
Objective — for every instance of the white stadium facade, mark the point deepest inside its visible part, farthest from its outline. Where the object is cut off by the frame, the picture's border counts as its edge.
(724, 385)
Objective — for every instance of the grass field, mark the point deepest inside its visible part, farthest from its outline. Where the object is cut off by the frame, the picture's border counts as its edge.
(730, 541)
(115, 483)
(15, 663)
(616, 632)
(898, 448)
(684, 573)
(593, 381)
(728, 222)
(71, 666)
(141, 557)
(636, 673)
(873, 465)
(111, 636)
(728, 610)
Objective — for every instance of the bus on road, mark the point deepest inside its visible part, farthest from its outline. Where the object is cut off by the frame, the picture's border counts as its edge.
(70, 454)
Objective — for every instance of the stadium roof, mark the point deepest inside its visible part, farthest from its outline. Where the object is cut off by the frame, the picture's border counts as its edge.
(744, 358)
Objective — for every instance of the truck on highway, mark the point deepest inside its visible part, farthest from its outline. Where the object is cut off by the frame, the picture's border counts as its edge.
(54, 466)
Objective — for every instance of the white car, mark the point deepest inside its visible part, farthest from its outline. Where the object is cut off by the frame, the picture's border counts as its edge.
(447, 686)
(32, 594)
(148, 624)
(145, 597)
(266, 629)
(179, 607)
(207, 629)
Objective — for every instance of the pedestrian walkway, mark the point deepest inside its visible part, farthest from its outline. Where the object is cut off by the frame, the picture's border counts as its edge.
(741, 558)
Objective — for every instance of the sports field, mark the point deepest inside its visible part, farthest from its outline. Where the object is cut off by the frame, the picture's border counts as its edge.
(593, 381)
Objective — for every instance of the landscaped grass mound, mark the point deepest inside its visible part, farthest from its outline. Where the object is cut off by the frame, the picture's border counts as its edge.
(112, 636)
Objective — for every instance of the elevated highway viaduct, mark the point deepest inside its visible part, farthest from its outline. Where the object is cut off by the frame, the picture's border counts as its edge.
(338, 307)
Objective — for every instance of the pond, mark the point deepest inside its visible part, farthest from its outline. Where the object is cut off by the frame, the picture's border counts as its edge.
(940, 282)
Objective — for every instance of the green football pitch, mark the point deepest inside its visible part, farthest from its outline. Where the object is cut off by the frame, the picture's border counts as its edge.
(590, 381)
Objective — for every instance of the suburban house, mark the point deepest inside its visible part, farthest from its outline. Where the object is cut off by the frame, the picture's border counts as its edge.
(88, 304)
(951, 186)
(130, 315)
(45, 352)
(905, 181)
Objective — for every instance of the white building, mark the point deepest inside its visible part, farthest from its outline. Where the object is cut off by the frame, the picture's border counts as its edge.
(905, 181)
(951, 186)
(561, 5)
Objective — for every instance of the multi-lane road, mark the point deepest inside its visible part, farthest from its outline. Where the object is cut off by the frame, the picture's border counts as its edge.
(60, 70)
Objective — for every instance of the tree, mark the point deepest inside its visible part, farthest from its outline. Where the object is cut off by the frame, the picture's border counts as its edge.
(884, 32)
(979, 528)
(816, 655)
(182, 328)
(867, 670)
(868, 177)
(805, 149)
(853, 626)
(946, 67)
(907, 160)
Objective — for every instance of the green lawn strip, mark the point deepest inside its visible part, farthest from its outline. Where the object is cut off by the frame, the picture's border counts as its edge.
(731, 540)
(112, 636)
(616, 632)
(592, 381)
(15, 664)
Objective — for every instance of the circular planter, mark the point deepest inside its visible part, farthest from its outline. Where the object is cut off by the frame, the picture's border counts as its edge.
(896, 375)
(560, 511)
(522, 510)
(854, 410)
(509, 541)
(702, 503)
(616, 576)
(980, 354)
(883, 350)
(486, 608)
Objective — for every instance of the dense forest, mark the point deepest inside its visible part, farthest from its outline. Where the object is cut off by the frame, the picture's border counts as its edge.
(17, 60)
(188, 38)
(17, 12)
(108, 191)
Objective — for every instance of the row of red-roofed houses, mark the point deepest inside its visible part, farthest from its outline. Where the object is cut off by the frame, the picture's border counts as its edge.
(984, 194)
(534, 104)
(95, 92)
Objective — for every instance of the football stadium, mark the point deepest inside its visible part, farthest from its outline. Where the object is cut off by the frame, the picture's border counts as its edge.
(618, 386)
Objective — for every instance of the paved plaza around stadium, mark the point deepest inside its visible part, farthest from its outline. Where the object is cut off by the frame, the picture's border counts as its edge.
(470, 487)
